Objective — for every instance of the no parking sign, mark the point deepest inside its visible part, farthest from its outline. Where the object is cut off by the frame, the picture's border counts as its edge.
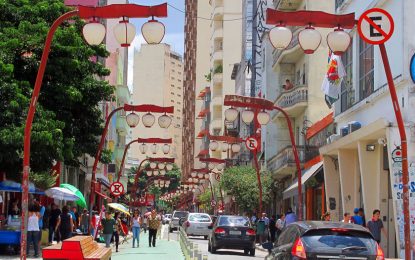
(375, 26)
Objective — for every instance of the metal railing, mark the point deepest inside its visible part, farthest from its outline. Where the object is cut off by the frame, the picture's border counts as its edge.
(291, 97)
(190, 249)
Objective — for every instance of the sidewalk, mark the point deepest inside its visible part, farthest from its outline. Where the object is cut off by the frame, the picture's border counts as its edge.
(164, 250)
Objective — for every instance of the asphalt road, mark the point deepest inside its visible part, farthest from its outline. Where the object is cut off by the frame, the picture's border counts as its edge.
(221, 254)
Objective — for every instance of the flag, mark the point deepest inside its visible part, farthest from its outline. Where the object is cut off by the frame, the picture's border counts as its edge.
(333, 79)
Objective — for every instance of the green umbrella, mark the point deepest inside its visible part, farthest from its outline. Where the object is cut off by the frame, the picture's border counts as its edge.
(81, 202)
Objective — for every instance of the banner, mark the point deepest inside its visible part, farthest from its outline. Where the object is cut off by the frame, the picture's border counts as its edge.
(333, 79)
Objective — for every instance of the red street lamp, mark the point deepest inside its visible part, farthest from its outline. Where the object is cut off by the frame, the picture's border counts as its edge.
(154, 141)
(338, 42)
(83, 12)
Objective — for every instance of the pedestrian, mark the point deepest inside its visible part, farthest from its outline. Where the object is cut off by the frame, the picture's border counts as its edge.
(326, 216)
(137, 221)
(145, 224)
(347, 217)
(280, 224)
(265, 233)
(108, 228)
(84, 220)
(160, 218)
(362, 214)
(53, 220)
(357, 219)
(33, 230)
(375, 226)
(117, 230)
(65, 225)
(41, 209)
(153, 224)
(272, 228)
(290, 216)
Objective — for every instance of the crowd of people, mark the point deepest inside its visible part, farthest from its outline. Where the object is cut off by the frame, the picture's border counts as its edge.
(62, 223)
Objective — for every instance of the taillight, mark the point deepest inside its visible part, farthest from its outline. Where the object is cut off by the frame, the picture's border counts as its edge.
(250, 232)
(379, 253)
(187, 224)
(339, 229)
(220, 231)
(298, 249)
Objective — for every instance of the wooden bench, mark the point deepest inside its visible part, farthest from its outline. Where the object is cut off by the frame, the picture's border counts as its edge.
(76, 248)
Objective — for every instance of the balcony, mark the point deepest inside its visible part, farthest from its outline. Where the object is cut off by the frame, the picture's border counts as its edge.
(217, 78)
(122, 126)
(216, 124)
(217, 100)
(287, 5)
(293, 101)
(217, 55)
(216, 3)
(123, 94)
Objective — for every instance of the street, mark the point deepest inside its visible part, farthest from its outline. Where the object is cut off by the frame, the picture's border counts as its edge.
(221, 254)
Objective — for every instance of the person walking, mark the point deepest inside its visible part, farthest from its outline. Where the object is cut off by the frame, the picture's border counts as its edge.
(280, 224)
(64, 225)
(84, 222)
(272, 228)
(75, 217)
(145, 224)
(107, 224)
(290, 216)
(33, 230)
(117, 230)
(357, 218)
(160, 218)
(326, 216)
(137, 221)
(375, 226)
(347, 218)
(153, 224)
(53, 220)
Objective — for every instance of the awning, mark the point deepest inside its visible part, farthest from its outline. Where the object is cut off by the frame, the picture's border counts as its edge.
(103, 180)
(11, 186)
(292, 190)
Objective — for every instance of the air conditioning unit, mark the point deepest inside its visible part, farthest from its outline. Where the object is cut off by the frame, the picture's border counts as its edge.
(353, 126)
(344, 130)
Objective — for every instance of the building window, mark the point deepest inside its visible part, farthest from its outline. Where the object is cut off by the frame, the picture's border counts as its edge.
(347, 95)
(339, 3)
(366, 69)
(172, 85)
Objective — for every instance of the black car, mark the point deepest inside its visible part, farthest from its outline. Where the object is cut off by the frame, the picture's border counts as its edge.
(232, 232)
(324, 240)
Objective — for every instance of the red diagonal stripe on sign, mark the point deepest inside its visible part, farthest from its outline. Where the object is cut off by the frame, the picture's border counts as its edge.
(376, 26)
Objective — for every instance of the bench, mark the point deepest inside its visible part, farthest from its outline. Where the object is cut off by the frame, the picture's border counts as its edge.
(76, 248)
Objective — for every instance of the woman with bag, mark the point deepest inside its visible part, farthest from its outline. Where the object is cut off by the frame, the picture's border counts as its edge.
(65, 224)
(33, 230)
(137, 222)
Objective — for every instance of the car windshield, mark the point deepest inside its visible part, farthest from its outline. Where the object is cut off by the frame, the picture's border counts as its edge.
(340, 240)
(233, 221)
(199, 218)
(168, 216)
(180, 214)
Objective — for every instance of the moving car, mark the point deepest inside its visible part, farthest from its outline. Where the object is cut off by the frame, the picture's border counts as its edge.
(197, 224)
(166, 219)
(175, 219)
(324, 240)
(232, 232)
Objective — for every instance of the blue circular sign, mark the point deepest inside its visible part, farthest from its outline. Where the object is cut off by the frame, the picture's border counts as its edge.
(412, 68)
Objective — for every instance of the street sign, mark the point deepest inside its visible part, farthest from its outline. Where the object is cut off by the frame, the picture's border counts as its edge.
(375, 26)
(251, 143)
(117, 189)
(213, 203)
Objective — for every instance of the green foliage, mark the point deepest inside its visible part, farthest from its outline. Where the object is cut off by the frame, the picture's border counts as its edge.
(205, 199)
(218, 69)
(106, 156)
(43, 180)
(208, 76)
(68, 118)
(242, 182)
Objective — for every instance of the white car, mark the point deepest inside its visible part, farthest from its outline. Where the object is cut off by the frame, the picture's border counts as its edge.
(175, 219)
(166, 219)
(197, 224)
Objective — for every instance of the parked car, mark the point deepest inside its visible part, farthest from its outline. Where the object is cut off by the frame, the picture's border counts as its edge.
(197, 224)
(166, 219)
(175, 219)
(232, 232)
(324, 240)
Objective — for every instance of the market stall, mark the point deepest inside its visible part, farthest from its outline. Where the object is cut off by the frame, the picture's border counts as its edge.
(11, 219)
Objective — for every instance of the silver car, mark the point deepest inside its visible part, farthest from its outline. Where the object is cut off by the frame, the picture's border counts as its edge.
(197, 224)
(166, 219)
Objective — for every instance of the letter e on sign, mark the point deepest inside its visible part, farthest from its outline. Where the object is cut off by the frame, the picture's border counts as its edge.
(375, 26)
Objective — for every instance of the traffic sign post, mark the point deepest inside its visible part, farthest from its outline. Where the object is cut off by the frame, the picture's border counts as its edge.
(251, 143)
(376, 26)
(117, 189)
(213, 203)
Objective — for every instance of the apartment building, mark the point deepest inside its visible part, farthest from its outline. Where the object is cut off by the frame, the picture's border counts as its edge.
(362, 163)
(294, 84)
(158, 80)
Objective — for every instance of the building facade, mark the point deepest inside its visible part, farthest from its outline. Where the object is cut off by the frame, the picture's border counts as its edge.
(157, 69)
(362, 163)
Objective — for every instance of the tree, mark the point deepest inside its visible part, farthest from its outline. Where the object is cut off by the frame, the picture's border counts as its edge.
(68, 118)
(205, 200)
(241, 182)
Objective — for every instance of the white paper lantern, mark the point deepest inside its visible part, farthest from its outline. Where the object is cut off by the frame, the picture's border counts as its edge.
(213, 145)
(207, 176)
(161, 166)
(169, 167)
(166, 148)
(149, 173)
(148, 120)
(193, 174)
(280, 37)
(153, 165)
(132, 119)
(263, 118)
(164, 121)
(231, 114)
(143, 148)
(94, 32)
(124, 33)
(248, 116)
(200, 175)
(156, 173)
(309, 39)
(211, 166)
(220, 166)
(236, 148)
(224, 147)
(154, 148)
(153, 32)
(162, 172)
(338, 41)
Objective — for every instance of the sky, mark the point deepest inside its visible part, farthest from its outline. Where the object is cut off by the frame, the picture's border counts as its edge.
(174, 24)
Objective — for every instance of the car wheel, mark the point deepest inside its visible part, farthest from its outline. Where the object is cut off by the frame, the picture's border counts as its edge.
(246, 251)
(206, 237)
(252, 252)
